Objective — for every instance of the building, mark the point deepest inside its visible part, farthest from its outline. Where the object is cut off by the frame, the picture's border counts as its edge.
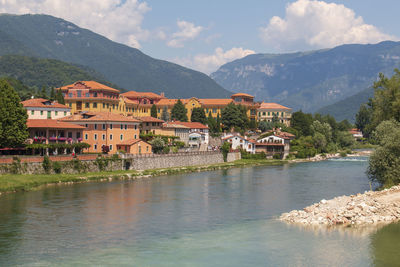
(357, 134)
(105, 129)
(198, 134)
(276, 143)
(267, 112)
(47, 131)
(138, 104)
(176, 129)
(150, 125)
(135, 146)
(40, 108)
(239, 142)
(92, 96)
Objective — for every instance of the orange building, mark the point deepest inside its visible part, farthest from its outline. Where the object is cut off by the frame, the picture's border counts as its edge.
(105, 129)
(150, 125)
(135, 146)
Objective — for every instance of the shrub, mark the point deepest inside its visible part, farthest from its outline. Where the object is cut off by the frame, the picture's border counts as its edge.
(57, 167)
(225, 150)
(16, 165)
(166, 150)
(276, 156)
(46, 164)
(77, 165)
(343, 154)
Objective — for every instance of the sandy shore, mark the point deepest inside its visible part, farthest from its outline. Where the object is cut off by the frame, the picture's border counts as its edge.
(381, 207)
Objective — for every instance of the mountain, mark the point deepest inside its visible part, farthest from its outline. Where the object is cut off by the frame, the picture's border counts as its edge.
(348, 107)
(37, 72)
(49, 37)
(310, 80)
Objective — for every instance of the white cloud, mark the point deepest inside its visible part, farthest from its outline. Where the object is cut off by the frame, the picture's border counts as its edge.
(118, 20)
(208, 63)
(187, 31)
(316, 24)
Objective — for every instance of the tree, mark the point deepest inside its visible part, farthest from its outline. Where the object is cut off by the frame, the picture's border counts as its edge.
(218, 124)
(198, 115)
(384, 163)
(363, 119)
(302, 123)
(153, 111)
(234, 116)
(158, 145)
(323, 128)
(52, 94)
(165, 114)
(43, 93)
(13, 116)
(212, 124)
(60, 97)
(265, 126)
(179, 112)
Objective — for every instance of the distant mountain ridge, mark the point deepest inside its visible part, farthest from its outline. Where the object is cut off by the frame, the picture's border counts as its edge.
(49, 37)
(310, 80)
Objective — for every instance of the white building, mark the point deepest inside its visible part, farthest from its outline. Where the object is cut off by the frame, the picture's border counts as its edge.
(239, 142)
(40, 108)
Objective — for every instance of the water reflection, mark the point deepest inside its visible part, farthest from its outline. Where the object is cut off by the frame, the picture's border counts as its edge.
(385, 246)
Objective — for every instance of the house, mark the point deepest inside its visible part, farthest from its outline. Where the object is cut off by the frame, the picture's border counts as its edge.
(357, 134)
(198, 134)
(269, 111)
(105, 130)
(276, 143)
(135, 146)
(239, 142)
(176, 129)
(150, 125)
(40, 108)
(47, 131)
(91, 96)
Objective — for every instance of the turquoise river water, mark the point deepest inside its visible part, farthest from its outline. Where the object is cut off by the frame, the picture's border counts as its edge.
(216, 218)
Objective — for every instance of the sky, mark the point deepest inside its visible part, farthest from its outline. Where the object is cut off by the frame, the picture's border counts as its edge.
(203, 35)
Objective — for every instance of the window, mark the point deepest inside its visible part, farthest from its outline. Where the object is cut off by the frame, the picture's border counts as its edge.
(69, 94)
(135, 127)
(214, 110)
(65, 113)
(147, 148)
(79, 93)
(126, 126)
(269, 113)
(122, 127)
(121, 137)
(87, 95)
(104, 126)
(104, 137)
(70, 105)
(87, 105)
(86, 136)
(87, 125)
(95, 94)
(110, 126)
(94, 105)
(135, 136)
(32, 112)
(41, 112)
(78, 135)
(69, 134)
(264, 113)
(110, 147)
(104, 105)
(95, 136)
(113, 106)
(95, 147)
(95, 126)
(110, 136)
(147, 124)
(49, 114)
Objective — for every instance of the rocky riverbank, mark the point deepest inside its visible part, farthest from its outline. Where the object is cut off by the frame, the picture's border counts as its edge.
(381, 207)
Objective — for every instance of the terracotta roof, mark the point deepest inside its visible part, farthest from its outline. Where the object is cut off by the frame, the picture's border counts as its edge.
(131, 142)
(272, 106)
(53, 124)
(215, 102)
(192, 125)
(242, 94)
(129, 101)
(149, 95)
(169, 102)
(99, 116)
(89, 85)
(148, 119)
(40, 103)
(241, 137)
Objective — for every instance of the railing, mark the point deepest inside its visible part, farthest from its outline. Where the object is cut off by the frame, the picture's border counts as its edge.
(128, 156)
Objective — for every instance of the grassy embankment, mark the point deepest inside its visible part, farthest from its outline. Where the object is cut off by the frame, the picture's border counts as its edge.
(20, 182)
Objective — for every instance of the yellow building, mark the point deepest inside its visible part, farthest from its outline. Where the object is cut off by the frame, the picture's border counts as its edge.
(267, 111)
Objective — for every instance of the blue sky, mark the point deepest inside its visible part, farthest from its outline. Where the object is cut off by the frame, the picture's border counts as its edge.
(206, 34)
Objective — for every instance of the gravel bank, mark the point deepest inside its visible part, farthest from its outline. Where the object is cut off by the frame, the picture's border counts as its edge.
(361, 209)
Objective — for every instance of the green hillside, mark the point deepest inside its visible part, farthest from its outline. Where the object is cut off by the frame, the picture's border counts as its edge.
(49, 37)
(348, 108)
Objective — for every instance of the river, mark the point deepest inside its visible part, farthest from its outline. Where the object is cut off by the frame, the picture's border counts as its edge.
(216, 218)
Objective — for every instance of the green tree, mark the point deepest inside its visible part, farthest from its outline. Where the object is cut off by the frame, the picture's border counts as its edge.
(198, 115)
(302, 123)
(234, 116)
(43, 93)
(212, 124)
(265, 126)
(158, 145)
(179, 112)
(323, 128)
(218, 124)
(60, 97)
(363, 118)
(345, 139)
(165, 114)
(153, 111)
(13, 116)
(384, 163)
(52, 94)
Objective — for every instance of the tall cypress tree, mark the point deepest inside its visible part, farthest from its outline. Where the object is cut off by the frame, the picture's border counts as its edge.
(13, 116)
(153, 111)
(60, 97)
(179, 112)
(218, 124)
(198, 115)
(43, 93)
(52, 94)
(165, 114)
(211, 123)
